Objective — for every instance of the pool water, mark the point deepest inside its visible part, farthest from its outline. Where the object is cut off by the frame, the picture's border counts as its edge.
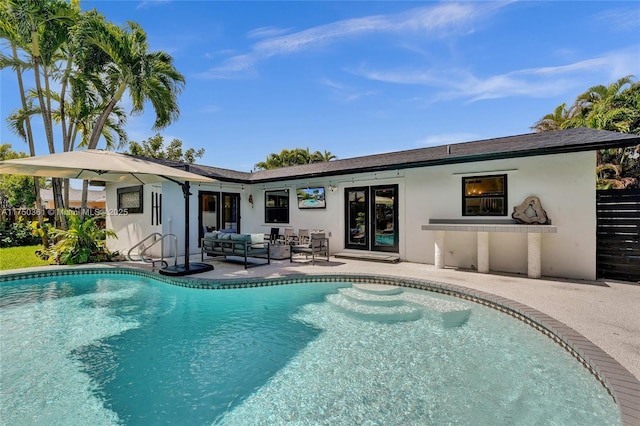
(108, 349)
(384, 239)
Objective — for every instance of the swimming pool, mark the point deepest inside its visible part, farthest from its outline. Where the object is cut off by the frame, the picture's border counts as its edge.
(123, 349)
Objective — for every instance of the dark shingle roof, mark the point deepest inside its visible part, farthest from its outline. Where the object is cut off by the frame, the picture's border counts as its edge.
(562, 141)
(556, 142)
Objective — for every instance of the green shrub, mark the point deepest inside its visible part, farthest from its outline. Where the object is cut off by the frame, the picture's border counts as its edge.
(17, 234)
(84, 241)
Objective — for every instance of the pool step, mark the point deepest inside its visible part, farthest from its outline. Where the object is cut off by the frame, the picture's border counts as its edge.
(378, 313)
(453, 314)
(386, 304)
(388, 290)
(371, 299)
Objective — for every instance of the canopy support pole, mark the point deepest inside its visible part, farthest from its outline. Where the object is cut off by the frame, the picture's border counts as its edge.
(186, 268)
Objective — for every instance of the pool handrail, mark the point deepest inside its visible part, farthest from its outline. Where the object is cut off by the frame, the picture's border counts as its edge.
(155, 241)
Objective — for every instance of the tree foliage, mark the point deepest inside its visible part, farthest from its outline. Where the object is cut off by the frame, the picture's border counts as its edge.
(294, 157)
(615, 107)
(16, 190)
(82, 66)
(154, 148)
(84, 241)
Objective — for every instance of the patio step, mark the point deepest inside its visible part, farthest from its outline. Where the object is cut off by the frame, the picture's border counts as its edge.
(371, 257)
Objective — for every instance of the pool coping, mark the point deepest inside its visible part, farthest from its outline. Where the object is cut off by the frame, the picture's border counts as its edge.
(623, 387)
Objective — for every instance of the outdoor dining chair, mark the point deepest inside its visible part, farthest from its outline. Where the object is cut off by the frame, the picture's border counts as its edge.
(274, 236)
(303, 236)
(289, 236)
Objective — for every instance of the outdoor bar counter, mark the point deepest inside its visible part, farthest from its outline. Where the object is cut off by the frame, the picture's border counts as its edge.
(483, 229)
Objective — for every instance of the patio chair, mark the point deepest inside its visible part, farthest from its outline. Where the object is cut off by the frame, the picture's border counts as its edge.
(303, 236)
(317, 247)
(289, 236)
(275, 236)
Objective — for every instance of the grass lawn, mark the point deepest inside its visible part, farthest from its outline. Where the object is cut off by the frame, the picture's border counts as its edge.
(20, 257)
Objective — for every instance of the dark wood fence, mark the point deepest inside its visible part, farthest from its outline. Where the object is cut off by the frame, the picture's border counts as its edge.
(618, 234)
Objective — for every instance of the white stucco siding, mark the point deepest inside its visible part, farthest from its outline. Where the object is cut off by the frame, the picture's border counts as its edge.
(131, 227)
(173, 216)
(565, 184)
(298, 218)
(570, 202)
(330, 219)
(134, 227)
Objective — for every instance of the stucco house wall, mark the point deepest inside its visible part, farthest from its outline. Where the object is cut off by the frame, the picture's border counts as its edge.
(565, 184)
(557, 167)
(131, 228)
(330, 219)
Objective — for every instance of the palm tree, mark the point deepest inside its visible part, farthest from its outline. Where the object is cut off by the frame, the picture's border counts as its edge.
(38, 29)
(22, 125)
(615, 107)
(126, 65)
(600, 107)
(95, 63)
(553, 121)
(324, 156)
(147, 76)
(296, 156)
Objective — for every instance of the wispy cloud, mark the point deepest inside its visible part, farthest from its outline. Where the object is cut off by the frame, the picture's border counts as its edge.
(267, 32)
(436, 21)
(213, 55)
(211, 108)
(355, 96)
(533, 82)
(626, 19)
(345, 93)
(151, 3)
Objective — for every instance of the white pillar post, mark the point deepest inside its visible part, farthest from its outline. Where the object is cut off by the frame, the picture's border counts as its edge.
(534, 255)
(439, 249)
(483, 252)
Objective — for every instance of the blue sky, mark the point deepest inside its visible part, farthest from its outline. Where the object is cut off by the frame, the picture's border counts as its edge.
(358, 78)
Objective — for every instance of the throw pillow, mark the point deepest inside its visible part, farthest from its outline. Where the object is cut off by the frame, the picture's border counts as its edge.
(257, 240)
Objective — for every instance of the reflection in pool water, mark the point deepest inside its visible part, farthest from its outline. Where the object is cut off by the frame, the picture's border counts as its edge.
(105, 349)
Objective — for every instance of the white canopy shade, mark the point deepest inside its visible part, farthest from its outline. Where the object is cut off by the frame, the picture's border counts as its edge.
(110, 166)
(98, 165)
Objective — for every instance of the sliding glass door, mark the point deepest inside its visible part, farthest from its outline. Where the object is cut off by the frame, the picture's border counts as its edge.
(357, 220)
(372, 218)
(231, 211)
(218, 210)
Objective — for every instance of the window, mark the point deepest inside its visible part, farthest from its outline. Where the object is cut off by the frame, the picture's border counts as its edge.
(484, 195)
(130, 199)
(276, 206)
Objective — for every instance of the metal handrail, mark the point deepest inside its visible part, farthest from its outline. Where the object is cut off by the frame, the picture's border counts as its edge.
(155, 241)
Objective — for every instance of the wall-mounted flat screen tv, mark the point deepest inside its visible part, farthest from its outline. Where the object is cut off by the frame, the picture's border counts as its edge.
(311, 198)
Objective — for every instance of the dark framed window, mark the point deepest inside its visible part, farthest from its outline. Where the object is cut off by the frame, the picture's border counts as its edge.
(130, 199)
(484, 195)
(276, 206)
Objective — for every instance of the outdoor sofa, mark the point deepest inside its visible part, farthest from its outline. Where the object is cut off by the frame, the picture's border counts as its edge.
(226, 244)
